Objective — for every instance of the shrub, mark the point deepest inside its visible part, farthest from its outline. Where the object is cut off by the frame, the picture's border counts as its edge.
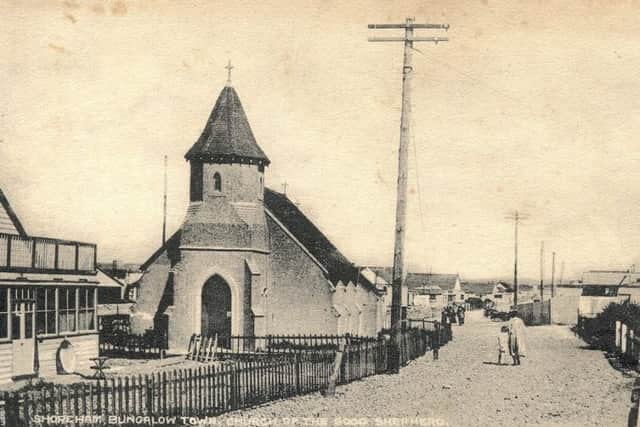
(605, 322)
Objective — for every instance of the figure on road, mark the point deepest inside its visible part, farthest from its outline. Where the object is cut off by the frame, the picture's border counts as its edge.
(503, 343)
(461, 315)
(517, 341)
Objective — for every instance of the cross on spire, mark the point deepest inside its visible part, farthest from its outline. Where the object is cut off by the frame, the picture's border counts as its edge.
(229, 67)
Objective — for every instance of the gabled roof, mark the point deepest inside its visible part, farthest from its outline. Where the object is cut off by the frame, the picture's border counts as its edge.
(227, 136)
(446, 282)
(478, 288)
(11, 217)
(337, 265)
(609, 278)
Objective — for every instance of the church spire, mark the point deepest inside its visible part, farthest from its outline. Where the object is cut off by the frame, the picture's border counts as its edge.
(229, 67)
(227, 136)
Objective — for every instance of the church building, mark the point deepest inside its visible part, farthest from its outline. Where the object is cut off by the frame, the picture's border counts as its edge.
(246, 260)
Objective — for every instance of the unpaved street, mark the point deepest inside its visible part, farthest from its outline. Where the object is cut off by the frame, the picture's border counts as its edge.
(558, 384)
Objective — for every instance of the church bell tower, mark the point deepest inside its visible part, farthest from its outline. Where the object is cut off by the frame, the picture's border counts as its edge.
(226, 161)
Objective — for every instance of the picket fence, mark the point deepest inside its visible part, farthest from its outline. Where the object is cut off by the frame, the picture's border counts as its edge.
(627, 343)
(621, 340)
(209, 390)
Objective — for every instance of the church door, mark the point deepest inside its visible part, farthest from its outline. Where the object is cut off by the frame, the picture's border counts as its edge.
(216, 309)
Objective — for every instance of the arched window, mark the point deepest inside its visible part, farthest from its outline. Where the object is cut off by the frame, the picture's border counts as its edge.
(217, 182)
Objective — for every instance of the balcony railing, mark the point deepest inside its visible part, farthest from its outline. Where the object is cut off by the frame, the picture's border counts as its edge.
(43, 255)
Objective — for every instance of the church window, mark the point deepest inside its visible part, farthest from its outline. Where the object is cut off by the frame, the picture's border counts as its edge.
(217, 182)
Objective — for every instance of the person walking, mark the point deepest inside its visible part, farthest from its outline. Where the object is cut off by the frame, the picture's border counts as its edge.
(461, 315)
(517, 341)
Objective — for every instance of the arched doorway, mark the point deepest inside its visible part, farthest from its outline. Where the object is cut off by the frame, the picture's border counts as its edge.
(216, 308)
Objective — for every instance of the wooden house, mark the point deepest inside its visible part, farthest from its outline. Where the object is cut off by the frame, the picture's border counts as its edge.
(48, 293)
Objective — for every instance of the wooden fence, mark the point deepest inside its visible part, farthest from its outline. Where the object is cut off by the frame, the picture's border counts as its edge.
(621, 339)
(535, 313)
(122, 344)
(209, 390)
(627, 343)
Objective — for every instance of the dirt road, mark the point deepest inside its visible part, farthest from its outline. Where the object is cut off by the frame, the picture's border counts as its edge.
(558, 384)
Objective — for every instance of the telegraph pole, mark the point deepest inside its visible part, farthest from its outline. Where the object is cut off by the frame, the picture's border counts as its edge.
(516, 217)
(403, 156)
(553, 274)
(542, 271)
(164, 207)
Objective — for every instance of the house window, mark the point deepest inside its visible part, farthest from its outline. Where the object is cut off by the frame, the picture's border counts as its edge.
(432, 297)
(86, 319)
(462, 297)
(217, 182)
(45, 311)
(67, 310)
(4, 313)
(451, 298)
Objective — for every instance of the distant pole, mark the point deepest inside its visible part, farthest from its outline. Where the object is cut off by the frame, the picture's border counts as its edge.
(403, 160)
(560, 282)
(553, 274)
(515, 263)
(164, 208)
(284, 188)
(516, 217)
(542, 271)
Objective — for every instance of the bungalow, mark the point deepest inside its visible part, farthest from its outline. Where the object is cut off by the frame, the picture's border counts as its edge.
(602, 287)
(48, 293)
(428, 289)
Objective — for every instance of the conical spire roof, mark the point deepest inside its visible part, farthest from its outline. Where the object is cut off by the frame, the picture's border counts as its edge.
(227, 136)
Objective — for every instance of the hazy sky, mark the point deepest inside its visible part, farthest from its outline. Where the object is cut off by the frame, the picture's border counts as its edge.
(532, 105)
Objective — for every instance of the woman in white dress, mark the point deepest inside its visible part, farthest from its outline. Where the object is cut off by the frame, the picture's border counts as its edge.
(517, 340)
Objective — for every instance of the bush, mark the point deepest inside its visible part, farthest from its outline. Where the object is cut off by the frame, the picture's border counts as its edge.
(605, 322)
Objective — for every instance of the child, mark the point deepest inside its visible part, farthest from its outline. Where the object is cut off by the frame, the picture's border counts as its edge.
(503, 342)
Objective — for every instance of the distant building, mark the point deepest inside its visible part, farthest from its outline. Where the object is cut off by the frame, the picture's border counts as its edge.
(429, 290)
(602, 287)
(49, 290)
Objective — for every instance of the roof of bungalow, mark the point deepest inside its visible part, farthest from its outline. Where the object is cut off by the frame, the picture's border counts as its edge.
(609, 278)
(477, 288)
(445, 282)
(9, 222)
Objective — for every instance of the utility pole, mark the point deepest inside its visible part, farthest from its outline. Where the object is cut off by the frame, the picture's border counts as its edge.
(403, 159)
(560, 282)
(516, 217)
(553, 274)
(164, 207)
(542, 271)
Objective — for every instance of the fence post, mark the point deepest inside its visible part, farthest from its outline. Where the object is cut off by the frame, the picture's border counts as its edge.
(12, 409)
(335, 373)
(296, 361)
(618, 336)
(623, 339)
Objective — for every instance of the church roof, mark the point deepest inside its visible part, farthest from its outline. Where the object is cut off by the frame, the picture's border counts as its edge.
(305, 231)
(227, 136)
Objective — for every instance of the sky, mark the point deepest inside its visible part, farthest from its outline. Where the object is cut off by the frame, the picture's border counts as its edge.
(531, 105)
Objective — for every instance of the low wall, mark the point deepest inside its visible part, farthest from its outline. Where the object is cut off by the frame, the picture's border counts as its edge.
(564, 309)
(535, 313)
